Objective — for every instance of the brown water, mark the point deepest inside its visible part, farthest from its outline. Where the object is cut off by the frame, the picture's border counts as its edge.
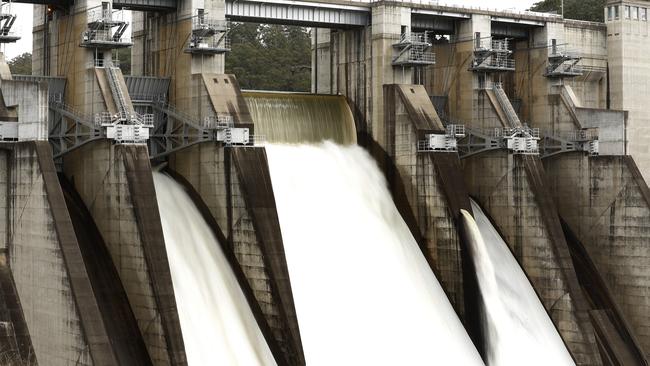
(301, 118)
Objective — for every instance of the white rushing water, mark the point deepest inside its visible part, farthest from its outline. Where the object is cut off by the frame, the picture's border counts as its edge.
(217, 323)
(364, 293)
(517, 328)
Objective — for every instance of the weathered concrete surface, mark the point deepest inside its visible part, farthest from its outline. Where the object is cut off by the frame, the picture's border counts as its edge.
(115, 184)
(511, 188)
(252, 168)
(420, 188)
(121, 326)
(627, 40)
(255, 241)
(14, 338)
(209, 170)
(27, 101)
(51, 281)
(606, 203)
(234, 265)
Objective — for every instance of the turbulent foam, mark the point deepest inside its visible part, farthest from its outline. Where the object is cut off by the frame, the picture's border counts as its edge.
(217, 324)
(364, 293)
(516, 327)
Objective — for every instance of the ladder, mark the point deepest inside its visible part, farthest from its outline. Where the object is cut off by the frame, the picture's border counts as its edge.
(116, 91)
(511, 115)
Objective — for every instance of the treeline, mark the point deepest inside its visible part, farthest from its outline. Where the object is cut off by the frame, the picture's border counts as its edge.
(590, 10)
(270, 57)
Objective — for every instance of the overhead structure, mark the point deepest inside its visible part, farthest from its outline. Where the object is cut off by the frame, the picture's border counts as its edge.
(209, 36)
(492, 55)
(177, 130)
(562, 62)
(101, 34)
(414, 49)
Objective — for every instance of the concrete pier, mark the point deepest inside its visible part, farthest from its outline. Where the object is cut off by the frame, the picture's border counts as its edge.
(115, 183)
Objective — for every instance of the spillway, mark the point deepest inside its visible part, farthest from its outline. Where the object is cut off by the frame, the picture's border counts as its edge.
(363, 291)
(295, 118)
(517, 329)
(217, 323)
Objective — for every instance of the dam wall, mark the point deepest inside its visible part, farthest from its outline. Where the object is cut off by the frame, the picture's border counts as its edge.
(421, 184)
(606, 203)
(234, 185)
(210, 170)
(115, 184)
(51, 281)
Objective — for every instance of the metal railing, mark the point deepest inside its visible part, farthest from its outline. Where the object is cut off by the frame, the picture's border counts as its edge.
(216, 42)
(102, 36)
(415, 37)
(219, 121)
(101, 63)
(56, 102)
(202, 24)
(489, 44)
(99, 14)
(517, 132)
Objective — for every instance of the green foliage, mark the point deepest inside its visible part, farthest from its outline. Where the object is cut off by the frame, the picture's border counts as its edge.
(270, 57)
(21, 64)
(590, 10)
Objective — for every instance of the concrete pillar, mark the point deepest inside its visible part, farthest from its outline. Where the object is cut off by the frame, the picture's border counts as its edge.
(388, 23)
(606, 203)
(323, 66)
(629, 72)
(39, 270)
(102, 174)
(464, 93)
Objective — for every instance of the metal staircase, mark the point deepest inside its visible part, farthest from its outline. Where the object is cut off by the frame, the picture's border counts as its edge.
(209, 36)
(414, 49)
(492, 55)
(562, 63)
(506, 106)
(100, 34)
(116, 91)
(7, 20)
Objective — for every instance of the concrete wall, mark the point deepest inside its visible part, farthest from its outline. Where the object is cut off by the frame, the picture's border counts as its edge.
(101, 174)
(501, 184)
(607, 204)
(417, 186)
(30, 101)
(209, 170)
(38, 266)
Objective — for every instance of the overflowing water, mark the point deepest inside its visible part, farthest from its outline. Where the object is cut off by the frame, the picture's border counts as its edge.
(516, 327)
(217, 323)
(363, 291)
(295, 118)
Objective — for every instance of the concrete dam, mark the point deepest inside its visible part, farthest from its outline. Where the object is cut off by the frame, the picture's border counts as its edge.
(462, 186)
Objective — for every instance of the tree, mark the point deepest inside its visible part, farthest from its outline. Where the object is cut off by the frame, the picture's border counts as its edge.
(590, 10)
(270, 57)
(21, 64)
